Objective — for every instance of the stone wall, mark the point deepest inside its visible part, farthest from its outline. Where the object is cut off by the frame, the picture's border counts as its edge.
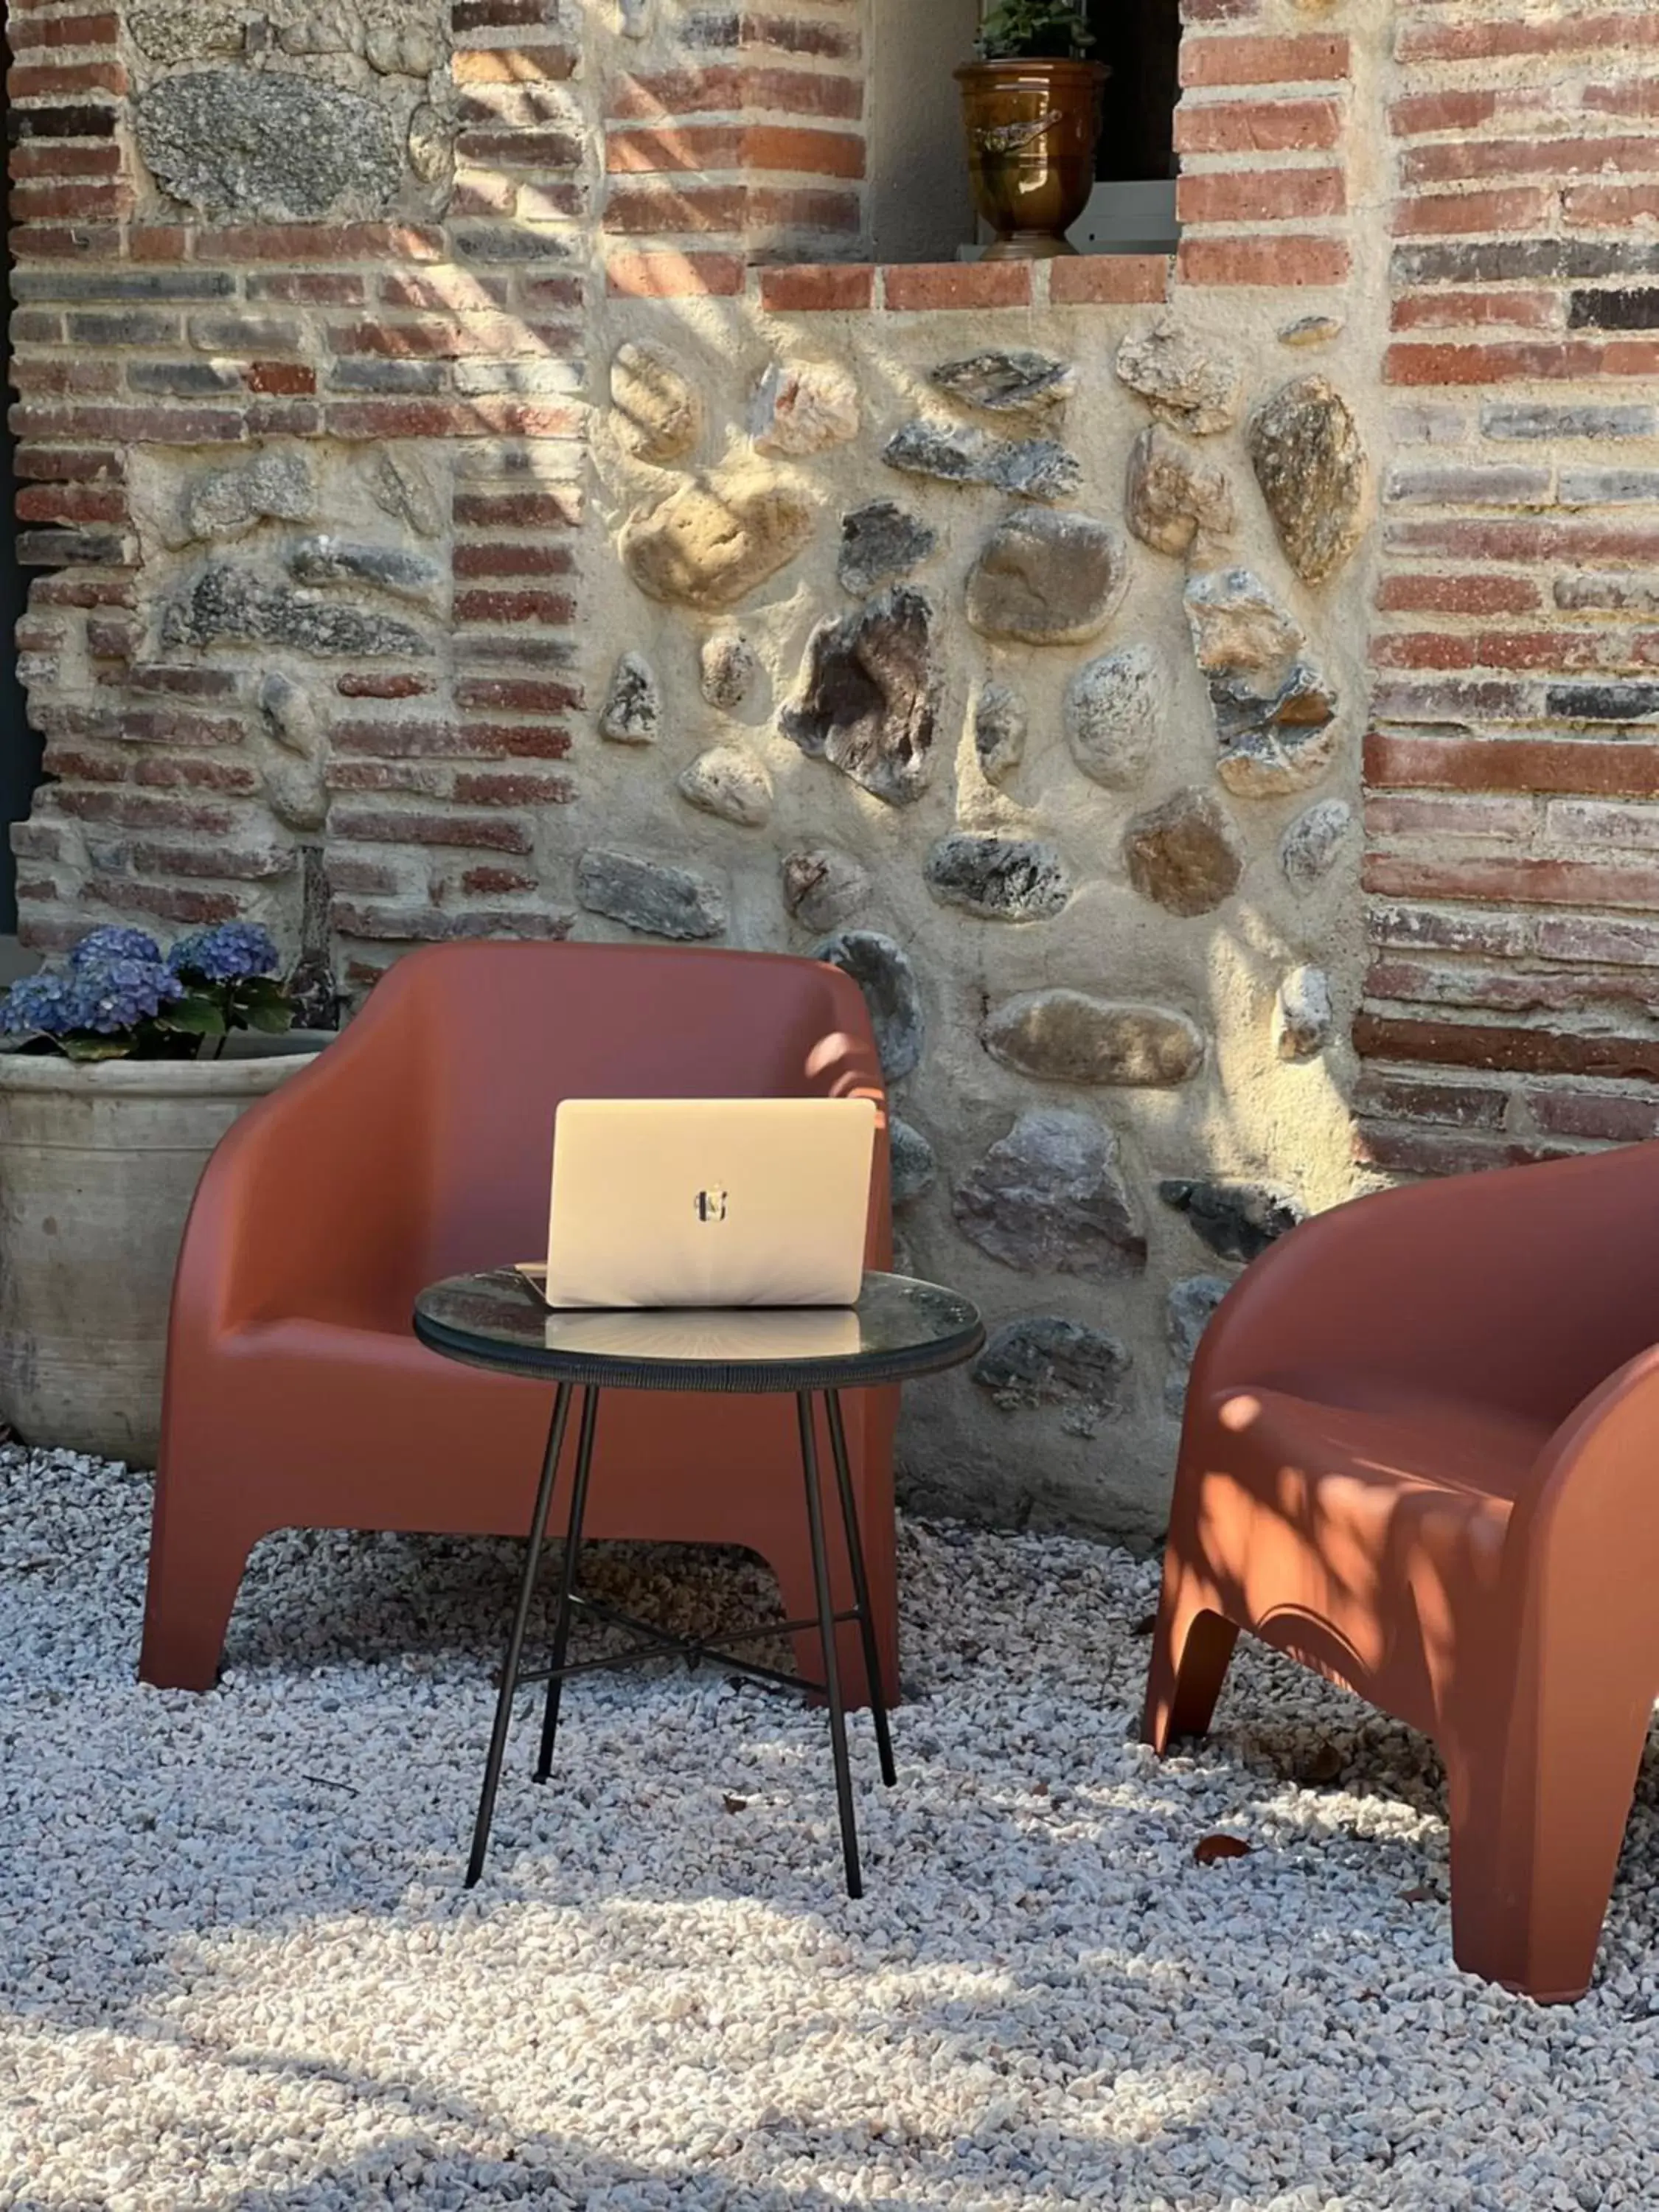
(482, 491)
(1024, 680)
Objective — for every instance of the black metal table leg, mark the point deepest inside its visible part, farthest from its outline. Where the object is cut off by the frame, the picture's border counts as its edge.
(573, 1544)
(515, 1638)
(849, 1837)
(849, 1516)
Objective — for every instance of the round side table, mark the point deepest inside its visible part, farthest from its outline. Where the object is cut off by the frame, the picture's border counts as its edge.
(898, 1329)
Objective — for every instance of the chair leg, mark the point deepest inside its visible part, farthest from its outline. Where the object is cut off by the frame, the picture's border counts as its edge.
(197, 1561)
(1192, 1647)
(1534, 1848)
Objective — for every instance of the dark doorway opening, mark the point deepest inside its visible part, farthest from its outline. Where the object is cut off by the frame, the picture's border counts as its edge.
(20, 746)
(1139, 41)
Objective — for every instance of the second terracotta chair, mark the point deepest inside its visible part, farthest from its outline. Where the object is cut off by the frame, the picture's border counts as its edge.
(1421, 1456)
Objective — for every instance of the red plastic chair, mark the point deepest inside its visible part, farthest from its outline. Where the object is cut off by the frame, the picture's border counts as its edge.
(1421, 1456)
(420, 1145)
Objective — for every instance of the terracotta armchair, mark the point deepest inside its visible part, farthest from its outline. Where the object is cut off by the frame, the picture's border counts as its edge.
(1421, 1456)
(420, 1145)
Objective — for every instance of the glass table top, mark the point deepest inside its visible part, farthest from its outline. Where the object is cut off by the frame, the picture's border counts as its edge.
(899, 1328)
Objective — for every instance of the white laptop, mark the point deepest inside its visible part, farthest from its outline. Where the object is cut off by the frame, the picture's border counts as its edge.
(677, 1202)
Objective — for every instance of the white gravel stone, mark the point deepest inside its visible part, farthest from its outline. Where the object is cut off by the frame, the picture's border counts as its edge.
(238, 1969)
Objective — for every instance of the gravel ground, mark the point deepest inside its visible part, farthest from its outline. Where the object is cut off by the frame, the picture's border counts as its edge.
(238, 1969)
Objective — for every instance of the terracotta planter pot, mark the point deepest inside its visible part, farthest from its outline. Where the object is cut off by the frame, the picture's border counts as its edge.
(1032, 128)
(98, 1167)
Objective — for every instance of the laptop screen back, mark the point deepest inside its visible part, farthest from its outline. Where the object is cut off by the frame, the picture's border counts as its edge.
(709, 1202)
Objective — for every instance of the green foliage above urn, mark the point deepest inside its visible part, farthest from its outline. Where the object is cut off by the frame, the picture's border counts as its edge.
(1034, 30)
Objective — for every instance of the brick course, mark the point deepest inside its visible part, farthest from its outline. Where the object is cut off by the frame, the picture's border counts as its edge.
(1507, 839)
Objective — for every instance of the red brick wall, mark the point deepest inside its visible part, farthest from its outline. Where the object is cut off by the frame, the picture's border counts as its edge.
(196, 341)
(1513, 862)
(1262, 131)
(733, 136)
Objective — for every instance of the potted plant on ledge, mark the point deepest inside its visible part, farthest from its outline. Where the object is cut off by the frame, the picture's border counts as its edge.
(118, 1074)
(1031, 105)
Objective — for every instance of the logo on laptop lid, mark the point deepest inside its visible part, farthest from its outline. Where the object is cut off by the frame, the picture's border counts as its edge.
(710, 1205)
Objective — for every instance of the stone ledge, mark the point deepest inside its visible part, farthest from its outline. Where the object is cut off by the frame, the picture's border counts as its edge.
(915, 287)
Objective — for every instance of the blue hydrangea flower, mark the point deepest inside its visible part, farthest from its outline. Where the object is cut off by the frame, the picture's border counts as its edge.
(107, 996)
(113, 943)
(37, 1005)
(229, 952)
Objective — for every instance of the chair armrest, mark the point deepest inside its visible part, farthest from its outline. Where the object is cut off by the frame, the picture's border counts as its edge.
(1595, 1487)
(314, 1202)
(846, 1063)
(1574, 1645)
(1520, 1287)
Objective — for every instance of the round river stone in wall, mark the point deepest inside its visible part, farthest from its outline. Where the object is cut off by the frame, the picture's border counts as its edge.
(824, 887)
(883, 972)
(296, 793)
(1048, 1360)
(391, 569)
(1306, 1018)
(1275, 713)
(291, 714)
(998, 878)
(1016, 382)
(717, 538)
(871, 703)
(632, 713)
(1313, 844)
(1192, 1304)
(1048, 1198)
(650, 896)
(1066, 1037)
(1187, 384)
(1031, 468)
(401, 487)
(1236, 1220)
(239, 144)
(230, 605)
(185, 30)
(1174, 498)
(1306, 449)
(1191, 1308)
(275, 486)
(1114, 708)
(880, 543)
(1273, 746)
(726, 783)
(657, 413)
(911, 1163)
(804, 406)
(1000, 723)
(726, 668)
(401, 50)
(1185, 855)
(1047, 579)
(1237, 625)
(430, 144)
